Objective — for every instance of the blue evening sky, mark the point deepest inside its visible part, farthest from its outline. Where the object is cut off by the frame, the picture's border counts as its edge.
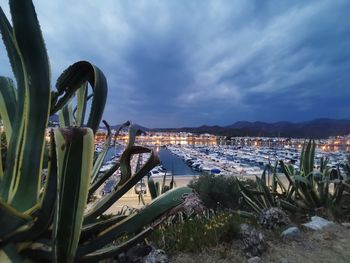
(175, 63)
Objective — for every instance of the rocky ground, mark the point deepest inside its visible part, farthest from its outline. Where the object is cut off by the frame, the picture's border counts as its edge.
(331, 244)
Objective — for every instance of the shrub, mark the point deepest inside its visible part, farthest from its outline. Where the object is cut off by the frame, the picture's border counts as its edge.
(198, 233)
(218, 191)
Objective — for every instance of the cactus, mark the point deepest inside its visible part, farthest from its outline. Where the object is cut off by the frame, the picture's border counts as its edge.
(43, 214)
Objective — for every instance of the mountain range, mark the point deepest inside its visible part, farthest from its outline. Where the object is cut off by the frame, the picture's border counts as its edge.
(318, 128)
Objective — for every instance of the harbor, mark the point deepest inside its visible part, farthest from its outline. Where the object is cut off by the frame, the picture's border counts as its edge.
(184, 161)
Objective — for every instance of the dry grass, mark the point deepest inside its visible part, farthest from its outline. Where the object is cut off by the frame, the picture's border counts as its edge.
(329, 245)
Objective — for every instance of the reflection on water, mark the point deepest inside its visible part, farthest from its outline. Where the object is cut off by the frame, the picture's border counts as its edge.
(242, 142)
(255, 142)
(173, 163)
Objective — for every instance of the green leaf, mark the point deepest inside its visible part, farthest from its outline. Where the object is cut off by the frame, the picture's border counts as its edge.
(172, 182)
(44, 213)
(66, 116)
(252, 199)
(136, 222)
(163, 184)
(288, 171)
(99, 161)
(9, 254)
(114, 250)
(13, 52)
(11, 220)
(251, 203)
(1, 167)
(307, 157)
(81, 104)
(125, 124)
(74, 149)
(104, 203)
(277, 179)
(152, 188)
(289, 206)
(36, 107)
(102, 178)
(125, 160)
(267, 196)
(93, 229)
(74, 78)
(8, 105)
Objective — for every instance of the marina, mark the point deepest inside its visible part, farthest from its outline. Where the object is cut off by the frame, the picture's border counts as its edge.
(183, 161)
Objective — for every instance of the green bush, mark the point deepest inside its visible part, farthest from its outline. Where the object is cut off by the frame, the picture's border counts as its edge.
(197, 233)
(218, 191)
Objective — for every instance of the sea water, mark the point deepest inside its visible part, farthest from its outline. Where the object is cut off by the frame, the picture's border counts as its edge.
(171, 162)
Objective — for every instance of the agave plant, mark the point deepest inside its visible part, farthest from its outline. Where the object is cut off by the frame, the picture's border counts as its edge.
(43, 214)
(156, 189)
(306, 190)
(264, 203)
(313, 189)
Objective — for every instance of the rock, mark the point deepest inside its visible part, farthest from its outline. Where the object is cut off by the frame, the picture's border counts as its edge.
(138, 252)
(143, 254)
(156, 256)
(346, 225)
(191, 204)
(291, 233)
(273, 217)
(317, 223)
(255, 260)
(283, 260)
(252, 242)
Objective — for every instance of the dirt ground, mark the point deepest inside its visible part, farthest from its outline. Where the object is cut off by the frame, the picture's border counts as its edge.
(329, 245)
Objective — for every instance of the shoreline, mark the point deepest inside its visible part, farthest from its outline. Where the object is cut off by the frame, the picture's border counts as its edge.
(131, 199)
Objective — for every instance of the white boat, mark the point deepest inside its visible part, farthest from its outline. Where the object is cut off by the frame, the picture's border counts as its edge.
(159, 171)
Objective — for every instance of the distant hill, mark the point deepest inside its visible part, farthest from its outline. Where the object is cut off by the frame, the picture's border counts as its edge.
(139, 127)
(318, 128)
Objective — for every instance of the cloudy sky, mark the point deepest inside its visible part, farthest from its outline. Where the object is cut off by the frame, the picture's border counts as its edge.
(175, 63)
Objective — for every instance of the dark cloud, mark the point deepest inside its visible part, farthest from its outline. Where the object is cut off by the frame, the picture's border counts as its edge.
(187, 63)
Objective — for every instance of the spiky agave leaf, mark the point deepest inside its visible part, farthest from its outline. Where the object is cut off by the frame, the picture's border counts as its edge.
(9, 254)
(99, 161)
(1, 166)
(74, 78)
(12, 51)
(44, 213)
(74, 148)
(104, 203)
(307, 158)
(33, 96)
(153, 189)
(266, 196)
(94, 229)
(135, 222)
(130, 150)
(66, 116)
(102, 178)
(98, 181)
(11, 220)
(8, 105)
(82, 99)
